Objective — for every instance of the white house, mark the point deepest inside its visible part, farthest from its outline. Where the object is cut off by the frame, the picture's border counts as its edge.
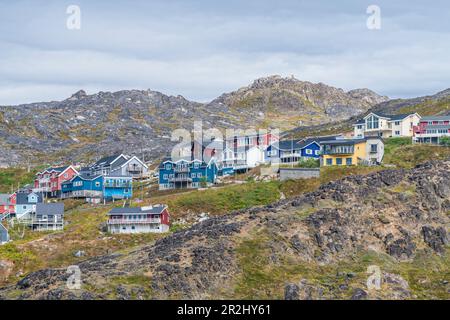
(139, 219)
(255, 156)
(386, 126)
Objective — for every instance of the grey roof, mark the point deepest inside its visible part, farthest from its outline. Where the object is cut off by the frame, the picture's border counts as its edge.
(50, 208)
(119, 162)
(289, 144)
(436, 118)
(105, 161)
(391, 117)
(57, 169)
(137, 210)
(22, 198)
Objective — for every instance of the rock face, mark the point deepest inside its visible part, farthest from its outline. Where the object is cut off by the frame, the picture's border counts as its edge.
(141, 121)
(399, 216)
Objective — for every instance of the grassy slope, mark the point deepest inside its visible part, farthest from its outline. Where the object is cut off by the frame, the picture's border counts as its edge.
(11, 177)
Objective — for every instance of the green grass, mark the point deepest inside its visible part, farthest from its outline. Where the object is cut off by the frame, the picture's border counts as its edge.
(10, 178)
(263, 279)
(403, 154)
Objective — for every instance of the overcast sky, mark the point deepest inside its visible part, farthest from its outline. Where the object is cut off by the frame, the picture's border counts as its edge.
(200, 49)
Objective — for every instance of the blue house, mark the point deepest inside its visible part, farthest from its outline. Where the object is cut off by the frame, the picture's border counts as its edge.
(26, 203)
(288, 151)
(186, 174)
(98, 187)
(83, 186)
(116, 187)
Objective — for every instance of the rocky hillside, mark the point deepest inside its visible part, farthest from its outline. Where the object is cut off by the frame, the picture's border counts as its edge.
(316, 246)
(84, 126)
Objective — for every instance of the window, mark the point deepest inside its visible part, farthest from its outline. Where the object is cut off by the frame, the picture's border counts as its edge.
(193, 175)
(397, 133)
(126, 191)
(397, 123)
(273, 152)
(349, 161)
(165, 176)
(339, 161)
(329, 162)
(199, 175)
(317, 152)
(168, 166)
(359, 126)
(373, 148)
(372, 122)
(97, 184)
(309, 151)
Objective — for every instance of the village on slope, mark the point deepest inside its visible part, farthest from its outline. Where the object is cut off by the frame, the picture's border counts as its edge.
(40, 206)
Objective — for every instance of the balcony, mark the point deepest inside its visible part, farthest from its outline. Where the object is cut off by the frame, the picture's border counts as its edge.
(118, 185)
(431, 135)
(181, 169)
(180, 179)
(339, 151)
(134, 221)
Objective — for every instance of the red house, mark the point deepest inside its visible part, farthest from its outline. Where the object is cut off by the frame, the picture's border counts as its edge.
(49, 181)
(431, 129)
(7, 203)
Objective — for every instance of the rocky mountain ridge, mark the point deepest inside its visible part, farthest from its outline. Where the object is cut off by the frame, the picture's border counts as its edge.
(87, 126)
(315, 246)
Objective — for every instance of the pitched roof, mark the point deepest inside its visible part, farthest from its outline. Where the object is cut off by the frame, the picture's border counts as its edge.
(106, 160)
(391, 117)
(156, 209)
(22, 197)
(50, 208)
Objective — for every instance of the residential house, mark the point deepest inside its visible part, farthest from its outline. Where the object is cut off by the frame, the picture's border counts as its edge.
(431, 129)
(4, 235)
(368, 150)
(118, 165)
(242, 152)
(49, 181)
(381, 125)
(186, 174)
(48, 216)
(139, 219)
(84, 186)
(7, 203)
(292, 151)
(26, 204)
(117, 187)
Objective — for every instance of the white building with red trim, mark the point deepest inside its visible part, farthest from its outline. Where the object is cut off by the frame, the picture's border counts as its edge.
(154, 218)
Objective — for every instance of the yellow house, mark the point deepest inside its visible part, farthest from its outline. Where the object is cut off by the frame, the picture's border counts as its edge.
(347, 152)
